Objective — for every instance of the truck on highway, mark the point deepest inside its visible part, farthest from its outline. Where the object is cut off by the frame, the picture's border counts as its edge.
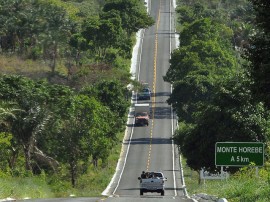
(152, 182)
(142, 114)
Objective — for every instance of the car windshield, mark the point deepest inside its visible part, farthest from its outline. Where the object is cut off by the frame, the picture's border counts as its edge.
(141, 114)
(158, 175)
(146, 90)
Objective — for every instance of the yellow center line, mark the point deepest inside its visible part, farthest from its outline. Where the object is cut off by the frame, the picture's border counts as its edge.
(154, 91)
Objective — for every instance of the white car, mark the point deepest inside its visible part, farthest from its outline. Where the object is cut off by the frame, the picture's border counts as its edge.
(152, 182)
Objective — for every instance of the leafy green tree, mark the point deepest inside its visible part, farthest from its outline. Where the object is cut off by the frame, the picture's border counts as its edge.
(31, 119)
(211, 107)
(261, 8)
(7, 109)
(5, 151)
(206, 29)
(85, 119)
(16, 25)
(230, 116)
(189, 14)
(199, 55)
(8, 153)
(78, 46)
(133, 14)
(258, 53)
(102, 33)
(112, 94)
(34, 29)
(123, 42)
(58, 32)
(193, 72)
(195, 88)
(186, 14)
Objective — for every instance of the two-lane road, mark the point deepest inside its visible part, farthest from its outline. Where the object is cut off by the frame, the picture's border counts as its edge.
(151, 148)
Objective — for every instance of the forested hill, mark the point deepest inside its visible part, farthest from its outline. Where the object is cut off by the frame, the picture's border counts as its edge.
(63, 85)
(65, 35)
(220, 77)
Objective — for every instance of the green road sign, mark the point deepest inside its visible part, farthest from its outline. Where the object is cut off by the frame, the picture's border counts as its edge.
(239, 153)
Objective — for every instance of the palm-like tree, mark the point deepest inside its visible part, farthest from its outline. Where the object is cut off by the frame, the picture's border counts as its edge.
(7, 109)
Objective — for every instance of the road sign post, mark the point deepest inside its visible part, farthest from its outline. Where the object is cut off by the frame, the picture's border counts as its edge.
(239, 153)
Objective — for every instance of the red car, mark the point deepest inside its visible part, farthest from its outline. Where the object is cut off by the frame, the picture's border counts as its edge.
(141, 118)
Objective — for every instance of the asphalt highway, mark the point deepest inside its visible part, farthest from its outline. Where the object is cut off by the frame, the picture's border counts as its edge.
(151, 148)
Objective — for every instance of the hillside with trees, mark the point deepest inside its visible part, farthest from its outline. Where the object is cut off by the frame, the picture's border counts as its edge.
(220, 78)
(63, 95)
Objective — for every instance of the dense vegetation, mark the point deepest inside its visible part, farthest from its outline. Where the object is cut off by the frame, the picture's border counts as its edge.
(213, 86)
(64, 123)
(220, 78)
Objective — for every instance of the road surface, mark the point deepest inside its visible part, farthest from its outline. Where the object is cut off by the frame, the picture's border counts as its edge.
(151, 148)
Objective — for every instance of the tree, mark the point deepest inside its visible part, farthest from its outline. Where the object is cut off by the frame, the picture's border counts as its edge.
(5, 150)
(113, 94)
(203, 58)
(195, 88)
(199, 55)
(85, 122)
(186, 14)
(261, 8)
(231, 115)
(258, 53)
(133, 14)
(58, 28)
(8, 153)
(15, 30)
(102, 33)
(7, 109)
(206, 29)
(31, 120)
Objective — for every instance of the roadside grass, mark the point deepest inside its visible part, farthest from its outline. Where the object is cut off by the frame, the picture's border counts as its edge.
(96, 181)
(243, 186)
(92, 183)
(24, 187)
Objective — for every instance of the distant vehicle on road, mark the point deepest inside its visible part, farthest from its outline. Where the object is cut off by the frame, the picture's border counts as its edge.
(142, 114)
(152, 182)
(146, 86)
(144, 93)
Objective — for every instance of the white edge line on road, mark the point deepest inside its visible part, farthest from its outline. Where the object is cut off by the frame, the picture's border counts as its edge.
(107, 190)
(134, 61)
(173, 155)
(124, 160)
(138, 43)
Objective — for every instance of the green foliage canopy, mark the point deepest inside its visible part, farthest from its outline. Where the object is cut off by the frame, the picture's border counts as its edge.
(56, 126)
(133, 14)
(211, 93)
(258, 53)
(230, 115)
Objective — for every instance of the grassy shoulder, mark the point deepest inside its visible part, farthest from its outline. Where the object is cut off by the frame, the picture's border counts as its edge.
(242, 186)
(92, 183)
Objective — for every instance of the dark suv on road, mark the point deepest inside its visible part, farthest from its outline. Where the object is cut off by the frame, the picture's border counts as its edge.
(145, 94)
